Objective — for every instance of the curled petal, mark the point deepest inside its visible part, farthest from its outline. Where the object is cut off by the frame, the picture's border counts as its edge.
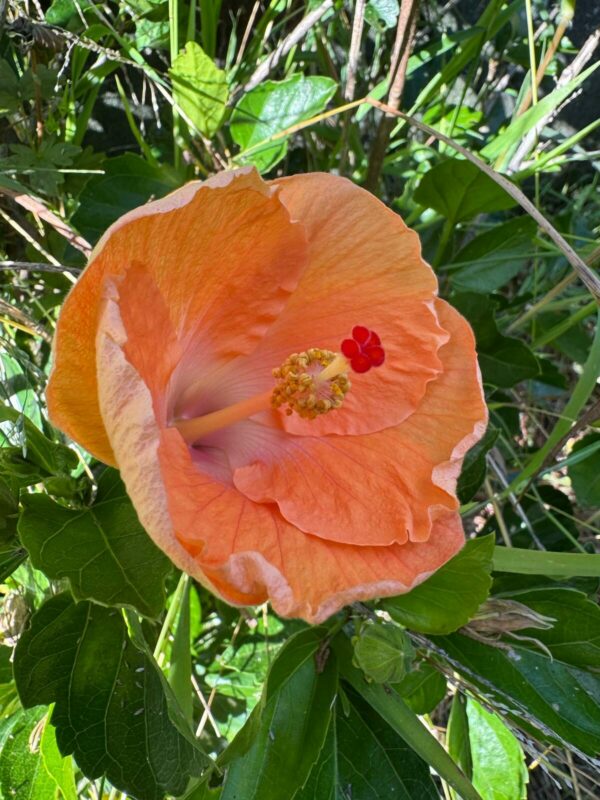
(364, 267)
(245, 551)
(385, 487)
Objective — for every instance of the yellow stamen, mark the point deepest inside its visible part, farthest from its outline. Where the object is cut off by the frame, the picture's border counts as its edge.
(298, 387)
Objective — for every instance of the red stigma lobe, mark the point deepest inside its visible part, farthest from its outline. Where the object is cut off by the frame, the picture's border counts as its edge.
(363, 350)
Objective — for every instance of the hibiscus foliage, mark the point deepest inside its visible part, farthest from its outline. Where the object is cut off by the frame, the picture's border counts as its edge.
(120, 675)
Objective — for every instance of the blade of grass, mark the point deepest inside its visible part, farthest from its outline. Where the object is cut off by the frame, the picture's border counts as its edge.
(148, 155)
(543, 562)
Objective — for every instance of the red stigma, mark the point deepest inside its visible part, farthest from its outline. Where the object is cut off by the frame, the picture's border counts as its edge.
(363, 350)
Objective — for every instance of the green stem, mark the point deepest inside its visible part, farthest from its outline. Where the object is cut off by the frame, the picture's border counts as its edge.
(543, 562)
(390, 706)
(180, 668)
(171, 614)
(174, 47)
(443, 245)
(581, 393)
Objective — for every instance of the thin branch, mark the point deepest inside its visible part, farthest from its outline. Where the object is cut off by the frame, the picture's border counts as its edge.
(32, 266)
(39, 208)
(357, 30)
(284, 47)
(405, 34)
(575, 67)
(589, 278)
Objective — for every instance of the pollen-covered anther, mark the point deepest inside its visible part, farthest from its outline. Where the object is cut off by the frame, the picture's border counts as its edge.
(303, 385)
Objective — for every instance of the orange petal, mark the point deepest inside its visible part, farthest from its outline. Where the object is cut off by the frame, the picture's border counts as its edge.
(253, 553)
(383, 487)
(224, 256)
(246, 552)
(365, 267)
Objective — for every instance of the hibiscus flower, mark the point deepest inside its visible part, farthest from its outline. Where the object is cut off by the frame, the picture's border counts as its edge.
(287, 399)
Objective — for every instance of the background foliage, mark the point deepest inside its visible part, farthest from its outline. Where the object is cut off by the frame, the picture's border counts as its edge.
(118, 675)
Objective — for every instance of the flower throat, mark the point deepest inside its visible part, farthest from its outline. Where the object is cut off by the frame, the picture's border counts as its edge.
(309, 384)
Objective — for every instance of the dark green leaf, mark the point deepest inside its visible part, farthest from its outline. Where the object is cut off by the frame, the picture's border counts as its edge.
(554, 700)
(11, 556)
(504, 361)
(585, 475)
(458, 190)
(364, 759)
(389, 705)
(271, 108)
(128, 182)
(102, 550)
(574, 637)
(493, 258)
(422, 689)
(451, 596)
(111, 710)
(474, 466)
(273, 754)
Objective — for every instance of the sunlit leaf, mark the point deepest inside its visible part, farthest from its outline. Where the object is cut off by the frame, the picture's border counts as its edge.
(199, 88)
(271, 108)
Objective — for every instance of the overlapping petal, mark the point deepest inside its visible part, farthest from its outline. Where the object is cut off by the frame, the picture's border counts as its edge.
(248, 551)
(384, 487)
(224, 255)
(365, 267)
(310, 514)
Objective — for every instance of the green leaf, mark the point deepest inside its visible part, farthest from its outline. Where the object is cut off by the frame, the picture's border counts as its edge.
(504, 361)
(102, 550)
(12, 555)
(540, 562)
(522, 124)
(422, 689)
(382, 14)
(270, 109)
(457, 737)
(51, 457)
(474, 466)
(9, 89)
(585, 475)
(555, 701)
(59, 767)
(498, 763)
(390, 706)
(128, 182)
(22, 772)
(111, 709)
(364, 758)
(574, 637)
(458, 190)
(492, 259)
(383, 652)
(273, 754)
(199, 88)
(451, 596)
